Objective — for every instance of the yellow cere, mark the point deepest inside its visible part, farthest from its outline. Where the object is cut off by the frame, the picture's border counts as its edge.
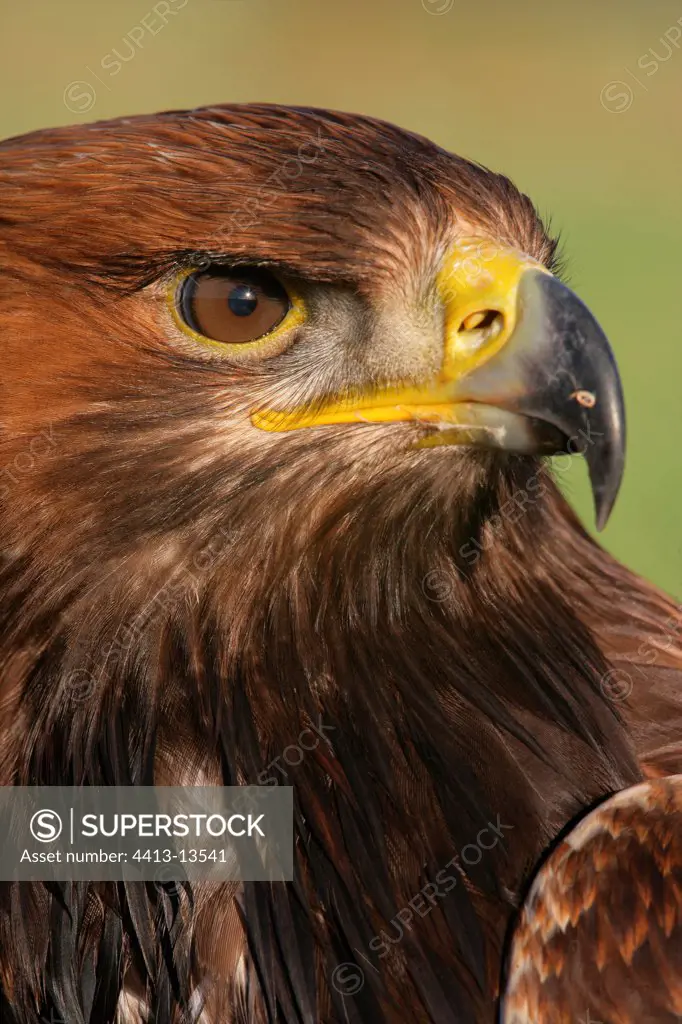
(478, 282)
(478, 276)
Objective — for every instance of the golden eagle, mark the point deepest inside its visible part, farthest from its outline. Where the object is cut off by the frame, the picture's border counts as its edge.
(277, 389)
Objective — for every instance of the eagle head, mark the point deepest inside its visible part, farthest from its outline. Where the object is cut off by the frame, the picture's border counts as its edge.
(277, 387)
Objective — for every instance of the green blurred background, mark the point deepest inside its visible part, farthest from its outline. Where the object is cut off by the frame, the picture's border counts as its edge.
(579, 103)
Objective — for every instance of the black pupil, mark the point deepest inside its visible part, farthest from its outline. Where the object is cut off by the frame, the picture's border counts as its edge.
(242, 300)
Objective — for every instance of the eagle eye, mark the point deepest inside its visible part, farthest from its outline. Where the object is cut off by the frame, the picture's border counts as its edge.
(232, 306)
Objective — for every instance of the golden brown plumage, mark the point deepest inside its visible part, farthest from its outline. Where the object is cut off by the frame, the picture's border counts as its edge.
(221, 587)
(600, 935)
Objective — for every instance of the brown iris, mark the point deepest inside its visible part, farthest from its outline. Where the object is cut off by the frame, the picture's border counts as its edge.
(233, 306)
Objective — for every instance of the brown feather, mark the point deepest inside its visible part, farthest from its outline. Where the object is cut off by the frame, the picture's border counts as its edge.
(219, 589)
(600, 935)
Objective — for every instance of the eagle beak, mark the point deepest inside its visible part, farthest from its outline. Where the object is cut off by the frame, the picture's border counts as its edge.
(557, 381)
(525, 368)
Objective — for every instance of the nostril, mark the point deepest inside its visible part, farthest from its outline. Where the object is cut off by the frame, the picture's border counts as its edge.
(481, 320)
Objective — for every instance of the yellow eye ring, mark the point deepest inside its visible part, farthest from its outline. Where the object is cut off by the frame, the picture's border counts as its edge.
(229, 299)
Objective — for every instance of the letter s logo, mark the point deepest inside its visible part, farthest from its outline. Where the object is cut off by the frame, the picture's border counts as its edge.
(46, 826)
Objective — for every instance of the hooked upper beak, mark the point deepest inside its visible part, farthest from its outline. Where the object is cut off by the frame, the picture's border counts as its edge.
(526, 367)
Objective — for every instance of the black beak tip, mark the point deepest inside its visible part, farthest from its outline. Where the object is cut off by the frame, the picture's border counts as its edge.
(606, 456)
(603, 506)
(606, 473)
(587, 397)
